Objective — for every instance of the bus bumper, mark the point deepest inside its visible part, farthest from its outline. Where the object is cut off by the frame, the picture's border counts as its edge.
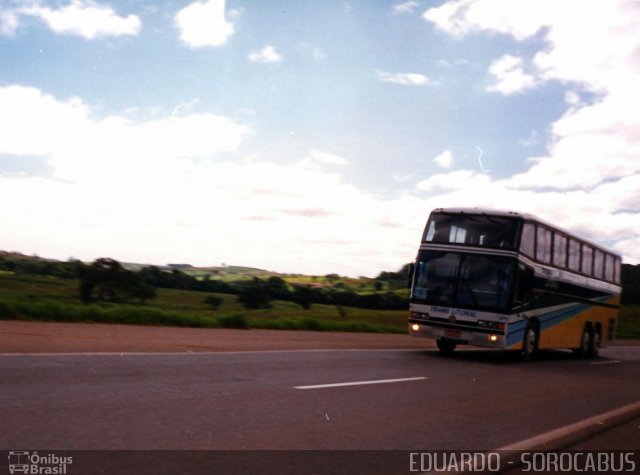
(460, 336)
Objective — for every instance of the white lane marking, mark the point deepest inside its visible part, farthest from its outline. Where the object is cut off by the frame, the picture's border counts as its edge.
(605, 362)
(360, 383)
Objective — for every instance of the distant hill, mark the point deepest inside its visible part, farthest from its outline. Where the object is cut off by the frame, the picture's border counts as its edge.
(231, 272)
(24, 257)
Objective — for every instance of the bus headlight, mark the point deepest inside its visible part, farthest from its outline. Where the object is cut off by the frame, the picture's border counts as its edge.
(493, 338)
(415, 327)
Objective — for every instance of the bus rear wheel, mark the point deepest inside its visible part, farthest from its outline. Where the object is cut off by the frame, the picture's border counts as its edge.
(529, 342)
(446, 347)
(586, 343)
(594, 343)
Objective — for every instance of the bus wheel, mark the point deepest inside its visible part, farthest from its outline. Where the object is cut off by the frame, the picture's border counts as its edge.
(594, 344)
(446, 347)
(529, 342)
(585, 343)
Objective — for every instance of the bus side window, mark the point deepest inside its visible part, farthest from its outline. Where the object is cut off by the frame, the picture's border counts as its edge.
(528, 239)
(609, 268)
(560, 250)
(598, 265)
(524, 286)
(574, 255)
(543, 245)
(587, 259)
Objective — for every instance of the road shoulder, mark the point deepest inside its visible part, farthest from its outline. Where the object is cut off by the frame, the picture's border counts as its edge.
(45, 337)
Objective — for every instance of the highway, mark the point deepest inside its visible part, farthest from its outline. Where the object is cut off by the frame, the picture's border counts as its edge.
(250, 400)
(303, 400)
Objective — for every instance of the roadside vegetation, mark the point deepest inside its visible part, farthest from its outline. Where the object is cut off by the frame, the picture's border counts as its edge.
(51, 298)
(107, 291)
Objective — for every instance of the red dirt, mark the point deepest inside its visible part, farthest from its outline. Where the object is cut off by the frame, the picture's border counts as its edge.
(41, 337)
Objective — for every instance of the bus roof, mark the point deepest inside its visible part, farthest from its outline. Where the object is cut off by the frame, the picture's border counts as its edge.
(524, 216)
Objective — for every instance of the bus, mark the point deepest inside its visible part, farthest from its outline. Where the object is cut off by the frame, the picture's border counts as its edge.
(510, 281)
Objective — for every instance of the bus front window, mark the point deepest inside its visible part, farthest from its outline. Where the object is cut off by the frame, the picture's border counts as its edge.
(464, 280)
(435, 277)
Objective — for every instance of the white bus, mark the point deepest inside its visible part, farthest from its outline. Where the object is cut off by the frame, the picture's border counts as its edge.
(511, 281)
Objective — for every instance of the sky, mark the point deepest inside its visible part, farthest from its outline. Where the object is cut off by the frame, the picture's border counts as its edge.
(311, 137)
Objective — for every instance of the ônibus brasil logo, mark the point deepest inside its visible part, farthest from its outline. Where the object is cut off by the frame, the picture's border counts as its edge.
(24, 461)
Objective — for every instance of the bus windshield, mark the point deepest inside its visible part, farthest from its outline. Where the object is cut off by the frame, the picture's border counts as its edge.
(472, 230)
(463, 280)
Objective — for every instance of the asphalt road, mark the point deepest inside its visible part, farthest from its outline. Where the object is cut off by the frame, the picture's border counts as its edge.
(279, 400)
(249, 400)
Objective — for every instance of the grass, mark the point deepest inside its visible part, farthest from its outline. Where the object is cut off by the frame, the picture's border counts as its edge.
(52, 299)
(629, 322)
(30, 297)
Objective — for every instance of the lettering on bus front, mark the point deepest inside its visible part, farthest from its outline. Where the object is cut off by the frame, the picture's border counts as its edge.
(453, 311)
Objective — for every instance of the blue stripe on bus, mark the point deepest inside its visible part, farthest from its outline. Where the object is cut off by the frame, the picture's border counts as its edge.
(547, 320)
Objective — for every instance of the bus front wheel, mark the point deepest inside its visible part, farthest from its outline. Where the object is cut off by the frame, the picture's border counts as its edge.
(446, 347)
(529, 342)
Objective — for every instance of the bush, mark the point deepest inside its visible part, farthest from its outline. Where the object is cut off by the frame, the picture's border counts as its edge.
(253, 295)
(7, 310)
(233, 321)
(213, 301)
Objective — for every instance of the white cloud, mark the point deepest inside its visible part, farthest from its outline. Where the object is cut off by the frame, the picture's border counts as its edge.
(158, 191)
(511, 78)
(609, 214)
(327, 158)
(444, 63)
(444, 159)
(9, 22)
(519, 19)
(132, 190)
(530, 140)
(406, 7)
(450, 182)
(407, 79)
(84, 18)
(310, 51)
(266, 55)
(203, 24)
(82, 149)
(316, 161)
(589, 179)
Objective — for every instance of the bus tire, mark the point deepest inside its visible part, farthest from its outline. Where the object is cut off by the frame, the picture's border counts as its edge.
(594, 343)
(529, 341)
(585, 343)
(446, 347)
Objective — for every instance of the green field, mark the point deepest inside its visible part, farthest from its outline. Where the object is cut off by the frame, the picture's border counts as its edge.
(32, 297)
(629, 322)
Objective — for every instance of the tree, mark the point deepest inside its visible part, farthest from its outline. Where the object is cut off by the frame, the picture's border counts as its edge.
(142, 291)
(252, 294)
(303, 296)
(630, 284)
(277, 288)
(106, 279)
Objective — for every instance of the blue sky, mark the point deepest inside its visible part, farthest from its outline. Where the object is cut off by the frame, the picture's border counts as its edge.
(310, 136)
